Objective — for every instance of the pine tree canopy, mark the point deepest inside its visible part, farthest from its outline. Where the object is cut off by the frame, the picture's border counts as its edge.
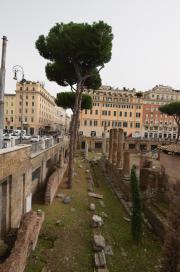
(67, 100)
(75, 50)
(171, 108)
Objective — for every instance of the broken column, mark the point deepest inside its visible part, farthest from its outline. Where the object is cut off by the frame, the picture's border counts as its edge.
(110, 145)
(86, 150)
(126, 163)
(120, 148)
(115, 146)
(104, 141)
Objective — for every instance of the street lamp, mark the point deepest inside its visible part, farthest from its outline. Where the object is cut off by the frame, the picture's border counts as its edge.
(2, 87)
(17, 69)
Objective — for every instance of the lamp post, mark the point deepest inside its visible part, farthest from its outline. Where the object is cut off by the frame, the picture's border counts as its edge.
(17, 69)
(2, 87)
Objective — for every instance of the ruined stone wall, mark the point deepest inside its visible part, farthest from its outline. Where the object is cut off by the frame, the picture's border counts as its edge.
(15, 175)
(26, 241)
(17, 166)
(171, 164)
(116, 177)
(159, 225)
(53, 184)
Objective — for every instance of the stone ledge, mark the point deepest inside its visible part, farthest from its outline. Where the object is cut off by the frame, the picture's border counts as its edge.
(13, 148)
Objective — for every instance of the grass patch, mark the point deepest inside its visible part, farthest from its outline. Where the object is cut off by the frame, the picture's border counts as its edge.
(143, 257)
(67, 246)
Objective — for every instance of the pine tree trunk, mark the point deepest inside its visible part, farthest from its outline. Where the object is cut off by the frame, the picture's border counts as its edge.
(76, 129)
(178, 134)
(71, 143)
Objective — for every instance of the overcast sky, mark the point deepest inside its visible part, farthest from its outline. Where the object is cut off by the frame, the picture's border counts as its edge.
(146, 46)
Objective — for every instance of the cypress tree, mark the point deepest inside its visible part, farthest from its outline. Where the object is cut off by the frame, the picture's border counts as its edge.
(136, 220)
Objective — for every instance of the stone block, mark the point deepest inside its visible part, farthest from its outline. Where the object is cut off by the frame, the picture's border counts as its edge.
(100, 259)
(99, 242)
(96, 221)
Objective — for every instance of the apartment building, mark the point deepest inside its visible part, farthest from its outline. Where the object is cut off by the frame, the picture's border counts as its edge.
(33, 108)
(61, 120)
(154, 123)
(112, 108)
(9, 111)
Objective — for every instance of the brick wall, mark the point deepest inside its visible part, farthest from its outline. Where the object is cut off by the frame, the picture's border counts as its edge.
(53, 184)
(26, 241)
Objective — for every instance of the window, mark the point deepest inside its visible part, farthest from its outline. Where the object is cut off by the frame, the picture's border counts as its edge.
(20, 103)
(32, 110)
(25, 119)
(95, 123)
(32, 103)
(125, 114)
(90, 122)
(32, 119)
(120, 113)
(137, 125)
(125, 124)
(26, 103)
(109, 113)
(91, 111)
(114, 113)
(85, 111)
(33, 97)
(96, 112)
(85, 122)
(6, 111)
(26, 96)
(119, 124)
(130, 114)
(138, 114)
(93, 133)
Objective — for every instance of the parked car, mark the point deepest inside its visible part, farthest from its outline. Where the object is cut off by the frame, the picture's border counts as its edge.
(35, 138)
(7, 137)
(26, 136)
(15, 136)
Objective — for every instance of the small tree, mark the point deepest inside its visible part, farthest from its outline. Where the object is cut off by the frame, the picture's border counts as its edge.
(173, 109)
(77, 52)
(171, 255)
(136, 222)
(66, 100)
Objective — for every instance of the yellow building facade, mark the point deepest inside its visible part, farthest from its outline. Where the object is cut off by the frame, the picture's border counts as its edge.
(112, 108)
(33, 108)
(9, 111)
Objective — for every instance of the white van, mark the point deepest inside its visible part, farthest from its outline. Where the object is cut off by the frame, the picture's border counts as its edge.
(18, 132)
